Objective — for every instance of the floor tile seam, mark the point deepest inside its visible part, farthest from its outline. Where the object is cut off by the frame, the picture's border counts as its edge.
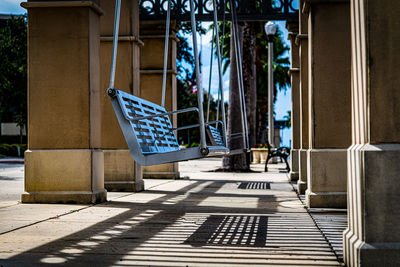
(47, 219)
(320, 230)
(16, 204)
(70, 212)
(134, 193)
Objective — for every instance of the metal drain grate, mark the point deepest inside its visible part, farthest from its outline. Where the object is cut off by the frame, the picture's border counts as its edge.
(255, 185)
(231, 231)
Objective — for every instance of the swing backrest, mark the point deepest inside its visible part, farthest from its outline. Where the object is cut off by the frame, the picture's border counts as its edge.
(215, 136)
(153, 135)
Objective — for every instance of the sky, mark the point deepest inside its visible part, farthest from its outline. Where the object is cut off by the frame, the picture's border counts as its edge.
(11, 7)
(282, 105)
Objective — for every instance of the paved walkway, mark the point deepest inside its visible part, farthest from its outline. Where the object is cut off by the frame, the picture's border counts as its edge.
(11, 183)
(206, 218)
(332, 223)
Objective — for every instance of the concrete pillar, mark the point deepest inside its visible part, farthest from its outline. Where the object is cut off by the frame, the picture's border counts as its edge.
(151, 71)
(120, 171)
(64, 162)
(373, 234)
(329, 102)
(302, 42)
(293, 28)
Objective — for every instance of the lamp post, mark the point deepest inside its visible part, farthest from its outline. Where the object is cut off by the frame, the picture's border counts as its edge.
(270, 30)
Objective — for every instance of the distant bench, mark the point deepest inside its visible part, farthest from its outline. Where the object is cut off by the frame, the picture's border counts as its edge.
(281, 152)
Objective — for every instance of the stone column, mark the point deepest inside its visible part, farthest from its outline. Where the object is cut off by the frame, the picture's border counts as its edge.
(293, 28)
(329, 102)
(64, 162)
(120, 171)
(373, 234)
(151, 71)
(302, 42)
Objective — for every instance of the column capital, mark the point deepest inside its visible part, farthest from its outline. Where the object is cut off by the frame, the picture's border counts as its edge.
(43, 4)
(300, 37)
(292, 25)
(308, 3)
(125, 38)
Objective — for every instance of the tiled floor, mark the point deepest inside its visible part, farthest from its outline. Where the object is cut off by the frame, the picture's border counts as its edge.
(206, 219)
(331, 222)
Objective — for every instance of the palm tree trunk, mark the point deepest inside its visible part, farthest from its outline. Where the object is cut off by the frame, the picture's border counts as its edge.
(234, 162)
(247, 43)
(250, 79)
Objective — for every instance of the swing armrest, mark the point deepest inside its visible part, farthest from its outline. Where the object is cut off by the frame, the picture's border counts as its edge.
(195, 125)
(165, 113)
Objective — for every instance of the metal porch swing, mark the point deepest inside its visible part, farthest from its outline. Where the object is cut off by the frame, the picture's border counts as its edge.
(147, 127)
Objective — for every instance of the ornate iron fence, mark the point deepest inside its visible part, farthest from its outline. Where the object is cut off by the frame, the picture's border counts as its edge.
(256, 10)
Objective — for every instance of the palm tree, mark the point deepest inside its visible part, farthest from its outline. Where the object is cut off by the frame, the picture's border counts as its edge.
(254, 49)
(250, 77)
(240, 161)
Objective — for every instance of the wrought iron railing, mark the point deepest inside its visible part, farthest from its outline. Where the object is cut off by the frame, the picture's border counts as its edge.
(255, 10)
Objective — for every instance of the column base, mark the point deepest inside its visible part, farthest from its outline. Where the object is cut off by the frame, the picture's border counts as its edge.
(294, 165)
(64, 176)
(380, 254)
(60, 197)
(374, 206)
(163, 171)
(327, 178)
(370, 254)
(326, 199)
(302, 182)
(124, 186)
(301, 187)
(293, 176)
(121, 174)
(161, 175)
(351, 244)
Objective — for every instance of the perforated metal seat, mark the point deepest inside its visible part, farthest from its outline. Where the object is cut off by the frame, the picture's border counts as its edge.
(155, 134)
(149, 133)
(215, 136)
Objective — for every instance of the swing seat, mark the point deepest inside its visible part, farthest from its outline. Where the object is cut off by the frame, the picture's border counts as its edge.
(149, 133)
(216, 139)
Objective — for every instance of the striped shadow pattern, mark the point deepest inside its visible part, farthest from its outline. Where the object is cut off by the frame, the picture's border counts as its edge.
(255, 185)
(233, 230)
(332, 225)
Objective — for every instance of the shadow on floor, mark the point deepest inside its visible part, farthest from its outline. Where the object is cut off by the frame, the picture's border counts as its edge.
(195, 225)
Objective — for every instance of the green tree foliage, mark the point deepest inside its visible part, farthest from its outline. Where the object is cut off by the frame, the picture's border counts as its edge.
(281, 63)
(13, 77)
(288, 119)
(185, 80)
